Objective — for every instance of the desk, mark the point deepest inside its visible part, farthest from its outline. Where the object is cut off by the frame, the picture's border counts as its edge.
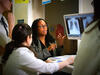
(57, 59)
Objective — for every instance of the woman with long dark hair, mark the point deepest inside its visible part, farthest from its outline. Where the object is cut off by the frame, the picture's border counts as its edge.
(20, 59)
(44, 44)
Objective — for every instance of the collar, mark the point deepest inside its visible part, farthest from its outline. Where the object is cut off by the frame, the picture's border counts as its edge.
(89, 28)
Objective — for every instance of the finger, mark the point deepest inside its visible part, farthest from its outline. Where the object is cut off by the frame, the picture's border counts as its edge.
(59, 36)
(64, 36)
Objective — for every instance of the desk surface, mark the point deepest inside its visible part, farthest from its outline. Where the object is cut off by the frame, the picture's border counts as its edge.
(57, 59)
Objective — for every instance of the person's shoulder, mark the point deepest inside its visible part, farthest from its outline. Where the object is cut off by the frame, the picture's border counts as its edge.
(92, 25)
(22, 50)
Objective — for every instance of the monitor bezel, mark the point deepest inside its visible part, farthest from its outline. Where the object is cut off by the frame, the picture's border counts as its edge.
(66, 28)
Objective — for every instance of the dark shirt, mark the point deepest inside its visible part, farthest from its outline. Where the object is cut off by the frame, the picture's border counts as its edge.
(42, 51)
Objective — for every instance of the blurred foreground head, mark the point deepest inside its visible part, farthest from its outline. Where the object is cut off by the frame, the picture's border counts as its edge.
(96, 5)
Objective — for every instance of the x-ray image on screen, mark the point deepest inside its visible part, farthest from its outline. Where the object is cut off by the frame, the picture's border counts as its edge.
(73, 26)
(76, 23)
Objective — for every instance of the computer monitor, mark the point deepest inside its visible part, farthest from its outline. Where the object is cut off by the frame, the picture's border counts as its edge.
(76, 23)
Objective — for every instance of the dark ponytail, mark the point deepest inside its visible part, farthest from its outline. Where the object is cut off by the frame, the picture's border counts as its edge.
(19, 35)
(9, 48)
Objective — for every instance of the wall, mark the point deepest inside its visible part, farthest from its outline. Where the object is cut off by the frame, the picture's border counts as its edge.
(54, 11)
(23, 11)
(85, 6)
(30, 13)
(20, 12)
(38, 9)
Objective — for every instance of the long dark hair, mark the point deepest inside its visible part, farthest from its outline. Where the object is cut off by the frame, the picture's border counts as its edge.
(19, 35)
(49, 38)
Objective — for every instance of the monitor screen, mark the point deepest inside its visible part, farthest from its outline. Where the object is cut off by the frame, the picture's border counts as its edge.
(76, 23)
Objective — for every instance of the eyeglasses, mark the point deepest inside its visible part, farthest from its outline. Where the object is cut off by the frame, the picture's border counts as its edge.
(42, 26)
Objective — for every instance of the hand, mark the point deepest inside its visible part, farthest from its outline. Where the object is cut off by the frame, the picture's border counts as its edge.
(60, 39)
(52, 47)
(70, 60)
(48, 61)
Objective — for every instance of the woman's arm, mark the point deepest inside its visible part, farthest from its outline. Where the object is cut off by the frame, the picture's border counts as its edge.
(32, 63)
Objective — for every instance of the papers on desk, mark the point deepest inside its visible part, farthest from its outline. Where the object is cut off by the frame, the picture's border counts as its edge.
(69, 68)
(60, 58)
